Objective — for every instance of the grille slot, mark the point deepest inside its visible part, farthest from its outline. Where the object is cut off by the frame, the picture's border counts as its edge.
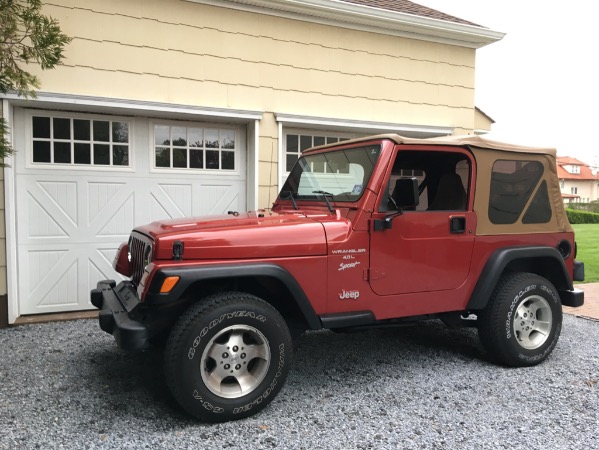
(137, 249)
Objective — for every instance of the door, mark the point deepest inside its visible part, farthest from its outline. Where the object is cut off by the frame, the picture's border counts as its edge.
(84, 181)
(429, 245)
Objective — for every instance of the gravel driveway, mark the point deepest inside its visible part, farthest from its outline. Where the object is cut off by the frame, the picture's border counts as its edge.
(66, 385)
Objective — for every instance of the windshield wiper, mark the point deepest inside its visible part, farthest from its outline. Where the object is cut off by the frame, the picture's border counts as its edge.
(290, 193)
(325, 194)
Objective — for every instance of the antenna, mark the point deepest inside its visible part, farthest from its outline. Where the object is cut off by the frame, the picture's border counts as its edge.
(272, 147)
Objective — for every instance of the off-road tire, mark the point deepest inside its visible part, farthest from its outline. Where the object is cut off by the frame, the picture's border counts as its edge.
(523, 320)
(227, 357)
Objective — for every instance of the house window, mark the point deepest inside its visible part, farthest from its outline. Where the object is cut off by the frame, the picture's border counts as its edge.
(562, 184)
(80, 141)
(573, 190)
(295, 144)
(189, 147)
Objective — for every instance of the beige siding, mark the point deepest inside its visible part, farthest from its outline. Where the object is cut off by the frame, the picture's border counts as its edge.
(176, 51)
(196, 54)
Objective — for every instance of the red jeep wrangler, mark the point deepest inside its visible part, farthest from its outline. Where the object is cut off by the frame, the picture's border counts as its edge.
(365, 233)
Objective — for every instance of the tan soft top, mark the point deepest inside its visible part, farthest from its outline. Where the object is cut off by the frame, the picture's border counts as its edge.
(457, 141)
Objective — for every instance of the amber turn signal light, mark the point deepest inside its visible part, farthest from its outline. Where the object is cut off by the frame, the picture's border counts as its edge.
(168, 284)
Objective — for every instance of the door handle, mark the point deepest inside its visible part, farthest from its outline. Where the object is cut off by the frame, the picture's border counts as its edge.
(457, 224)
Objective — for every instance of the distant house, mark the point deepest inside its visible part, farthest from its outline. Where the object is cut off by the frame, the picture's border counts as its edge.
(578, 182)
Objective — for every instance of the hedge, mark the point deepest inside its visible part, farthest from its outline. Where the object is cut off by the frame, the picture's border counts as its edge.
(575, 216)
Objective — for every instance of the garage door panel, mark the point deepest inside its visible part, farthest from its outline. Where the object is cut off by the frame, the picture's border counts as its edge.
(102, 196)
(118, 219)
(218, 198)
(180, 197)
(53, 279)
(40, 222)
(64, 195)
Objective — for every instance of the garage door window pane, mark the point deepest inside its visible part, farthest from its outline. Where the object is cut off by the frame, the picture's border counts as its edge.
(81, 130)
(227, 139)
(41, 127)
(179, 136)
(195, 147)
(120, 155)
(163, 157)
(211, 159)
(196, 159)
(41, 152)
(62, 128)
(62, 152)
(179, 157)
(101, 154)
(82, 154)
(120, 132)
(211, 138)
(227, 160)
(80, 141)
(101, 131)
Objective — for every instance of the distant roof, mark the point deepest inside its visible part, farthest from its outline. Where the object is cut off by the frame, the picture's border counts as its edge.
(407, 7)
(585, 171)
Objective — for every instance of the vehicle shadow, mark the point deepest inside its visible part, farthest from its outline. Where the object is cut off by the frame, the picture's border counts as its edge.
(134, 383)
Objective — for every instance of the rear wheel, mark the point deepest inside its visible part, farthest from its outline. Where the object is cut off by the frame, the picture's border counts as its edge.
(227, 357)
(523, 320)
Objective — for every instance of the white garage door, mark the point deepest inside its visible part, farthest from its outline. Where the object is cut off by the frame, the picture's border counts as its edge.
(84, 181)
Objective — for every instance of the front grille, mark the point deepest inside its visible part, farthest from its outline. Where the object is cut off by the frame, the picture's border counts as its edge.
(139, 247)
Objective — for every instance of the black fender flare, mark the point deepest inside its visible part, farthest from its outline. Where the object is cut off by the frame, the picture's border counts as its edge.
(192, 274)
(544, 261)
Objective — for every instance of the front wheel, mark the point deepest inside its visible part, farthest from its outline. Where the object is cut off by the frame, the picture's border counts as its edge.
(523, 320)
(228, 357)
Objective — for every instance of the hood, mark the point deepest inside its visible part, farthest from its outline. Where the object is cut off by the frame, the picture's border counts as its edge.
(243, 236)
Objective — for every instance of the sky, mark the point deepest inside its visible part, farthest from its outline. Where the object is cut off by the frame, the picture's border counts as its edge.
(540, 83)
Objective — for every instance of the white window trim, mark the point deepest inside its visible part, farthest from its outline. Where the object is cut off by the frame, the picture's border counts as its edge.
(29, 164)
(174, 123)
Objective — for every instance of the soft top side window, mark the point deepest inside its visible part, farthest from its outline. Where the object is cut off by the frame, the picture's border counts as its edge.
(512, 184)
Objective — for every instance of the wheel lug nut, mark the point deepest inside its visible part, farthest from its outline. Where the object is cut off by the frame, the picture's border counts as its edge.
(225, 355)
(243, 356)
(238, 366)
(235, 348)
(227, 366)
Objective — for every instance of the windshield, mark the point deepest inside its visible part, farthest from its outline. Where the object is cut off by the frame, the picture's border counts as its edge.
(340, 175)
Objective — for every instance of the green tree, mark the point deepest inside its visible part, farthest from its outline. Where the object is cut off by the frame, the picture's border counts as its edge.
(26, 36)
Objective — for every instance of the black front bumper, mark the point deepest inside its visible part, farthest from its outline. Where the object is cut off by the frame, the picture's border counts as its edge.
(117, 305)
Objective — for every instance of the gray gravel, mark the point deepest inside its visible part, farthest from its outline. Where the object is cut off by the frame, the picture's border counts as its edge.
(66, 385)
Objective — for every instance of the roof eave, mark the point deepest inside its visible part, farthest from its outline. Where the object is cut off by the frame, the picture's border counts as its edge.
(365, 18)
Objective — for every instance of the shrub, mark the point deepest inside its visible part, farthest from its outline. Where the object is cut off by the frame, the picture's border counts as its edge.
(575, 216)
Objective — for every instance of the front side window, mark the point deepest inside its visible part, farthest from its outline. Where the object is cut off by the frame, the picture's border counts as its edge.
(342, 175)
(80, 141)
(443, 181)
(190, 147)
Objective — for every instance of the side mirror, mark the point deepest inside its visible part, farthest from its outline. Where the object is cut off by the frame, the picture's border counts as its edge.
(405, 195)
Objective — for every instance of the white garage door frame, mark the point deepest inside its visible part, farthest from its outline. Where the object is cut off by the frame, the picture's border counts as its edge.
(161, 113)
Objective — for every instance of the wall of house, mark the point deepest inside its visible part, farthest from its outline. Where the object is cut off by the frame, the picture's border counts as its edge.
(586, 189)
(181, 52)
